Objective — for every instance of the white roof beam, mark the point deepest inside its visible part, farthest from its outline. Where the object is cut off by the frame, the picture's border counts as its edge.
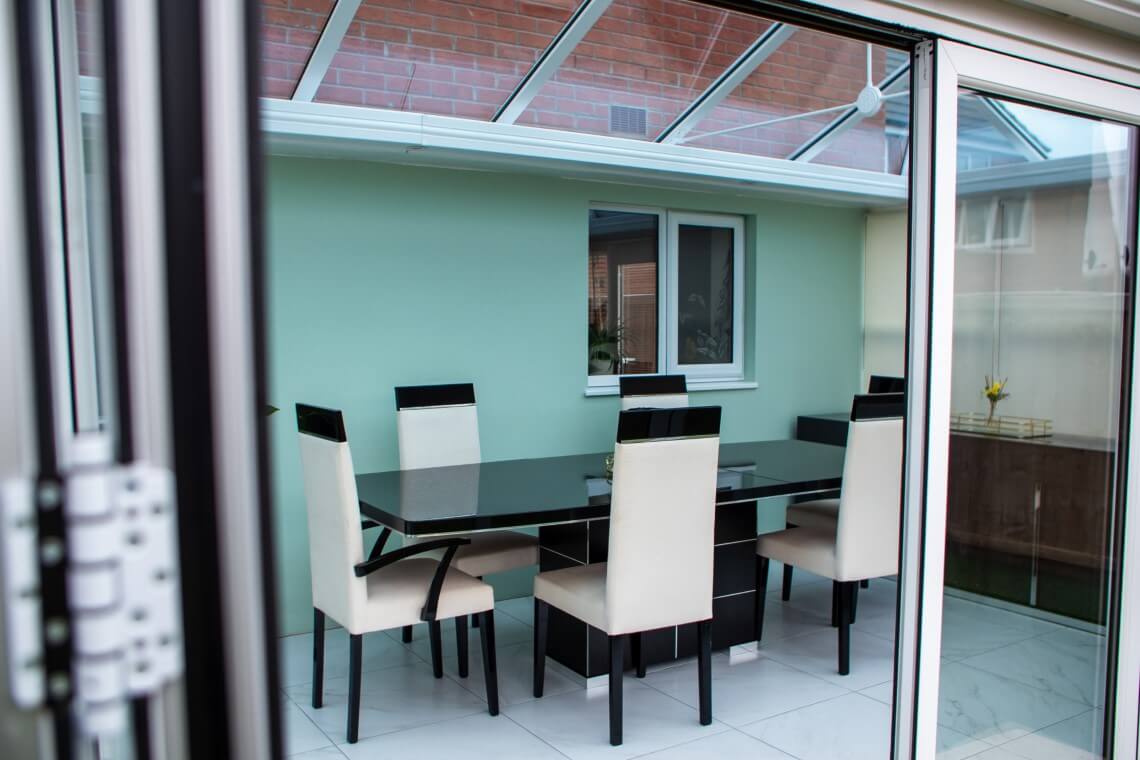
(556, 52)
(1011, 127)
(819, 142)
(727, 82)
(327, 44)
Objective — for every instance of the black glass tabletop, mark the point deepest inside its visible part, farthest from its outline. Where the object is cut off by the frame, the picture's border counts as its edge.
(520, 492)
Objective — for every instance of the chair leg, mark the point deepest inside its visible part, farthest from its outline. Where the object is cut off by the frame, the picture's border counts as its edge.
(835, 604)
(617, 663)
(461, 643)
(846, 593)
(407, 634)
(354, 647)
(475, 618)
(541, 614)
(761, 595)
(864, 583)
(786, 594)
(854, 600)
(638, 654)
(704, 670)
(436, 636)
(490, 669)
(318, 657)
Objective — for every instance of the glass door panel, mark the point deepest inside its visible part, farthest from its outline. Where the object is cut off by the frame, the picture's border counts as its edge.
(1043, 217)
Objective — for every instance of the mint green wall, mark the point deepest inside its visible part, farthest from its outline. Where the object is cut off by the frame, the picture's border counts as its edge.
(384, 275)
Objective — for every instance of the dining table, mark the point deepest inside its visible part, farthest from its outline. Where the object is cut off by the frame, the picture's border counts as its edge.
(567, 499)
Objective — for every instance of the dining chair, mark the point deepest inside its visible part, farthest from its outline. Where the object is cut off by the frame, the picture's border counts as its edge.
(657, 391)
(863, 542)
(438, 426)
(823, 513)
(660, 571)
(385, 591)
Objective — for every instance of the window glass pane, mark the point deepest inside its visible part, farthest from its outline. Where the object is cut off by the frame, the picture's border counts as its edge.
(622, 316)
(821, 93)
(1039, 317)
(289, 32)
(705, 259)
(641, 64)
(461, 58)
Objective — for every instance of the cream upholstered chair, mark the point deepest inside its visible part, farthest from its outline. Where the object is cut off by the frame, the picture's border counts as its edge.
(387, 590)
(822, 513)
(864, 540)
(653, 391)
(438, 426)
(660, 571)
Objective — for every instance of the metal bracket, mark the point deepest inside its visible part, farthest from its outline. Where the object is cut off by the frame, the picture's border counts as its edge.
(21, 593)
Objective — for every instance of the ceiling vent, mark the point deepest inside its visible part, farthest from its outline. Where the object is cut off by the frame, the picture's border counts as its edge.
(627, 121)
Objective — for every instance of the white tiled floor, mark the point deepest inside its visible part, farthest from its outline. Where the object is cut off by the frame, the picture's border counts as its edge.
(1013, 688)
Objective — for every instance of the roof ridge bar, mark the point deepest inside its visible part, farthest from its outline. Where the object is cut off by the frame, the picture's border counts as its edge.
(731, 78)
(328, 43)
(818, 142)
(556, 52)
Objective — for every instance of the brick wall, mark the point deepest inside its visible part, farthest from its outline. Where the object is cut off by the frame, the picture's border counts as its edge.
(464, 57)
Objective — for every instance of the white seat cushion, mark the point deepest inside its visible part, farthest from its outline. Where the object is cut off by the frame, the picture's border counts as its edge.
(821, 513)
(812, 549)
(578, 591)
(397, 593)
(490, 553)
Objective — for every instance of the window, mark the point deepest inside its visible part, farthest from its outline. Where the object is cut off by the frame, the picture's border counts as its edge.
(991, 222)
(666, 294)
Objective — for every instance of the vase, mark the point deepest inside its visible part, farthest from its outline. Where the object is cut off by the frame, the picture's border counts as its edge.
(993, 408)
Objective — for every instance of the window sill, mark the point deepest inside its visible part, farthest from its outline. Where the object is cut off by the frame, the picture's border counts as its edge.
(693, 387)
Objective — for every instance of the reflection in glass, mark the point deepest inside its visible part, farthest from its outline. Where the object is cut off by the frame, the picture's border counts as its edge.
(622, 314)
(1039, 305)
(705, 261)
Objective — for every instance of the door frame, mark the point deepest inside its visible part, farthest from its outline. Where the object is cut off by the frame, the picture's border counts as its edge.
(941, 69)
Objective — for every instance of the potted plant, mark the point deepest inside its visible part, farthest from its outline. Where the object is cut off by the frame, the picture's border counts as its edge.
(603, 348)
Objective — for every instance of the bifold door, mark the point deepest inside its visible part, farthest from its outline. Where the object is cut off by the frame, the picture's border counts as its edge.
(1019, 626)
(130, 466)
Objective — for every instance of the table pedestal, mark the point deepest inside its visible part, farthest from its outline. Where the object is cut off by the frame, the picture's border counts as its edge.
(585, 650)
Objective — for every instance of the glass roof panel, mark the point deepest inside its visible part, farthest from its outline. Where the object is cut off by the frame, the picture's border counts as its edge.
(640, 66)
(448, 57)
(289, 31)
(799, 91)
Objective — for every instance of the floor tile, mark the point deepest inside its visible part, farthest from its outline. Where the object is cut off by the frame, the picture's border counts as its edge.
(952, 745)
(379, 651)
(971, 632)
(516, 674)
(994, 709)
(476, 736)
(730, 744)
(851, 726)
(521, 609)
(1067, 663)
(995, 753)
(881, 625)
(508, 631)
(782, 620)
(800, 578)
(301, 734)
(881, 692)
(1031, 625)
(392, 699)
(577, 723)
(880, 598)
(1078, 738)
(872, 658)
(327, 753)
(746, 691)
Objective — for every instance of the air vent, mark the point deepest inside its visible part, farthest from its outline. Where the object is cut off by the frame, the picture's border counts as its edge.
(629, 121)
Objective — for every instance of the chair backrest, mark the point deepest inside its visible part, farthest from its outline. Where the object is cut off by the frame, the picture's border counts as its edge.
(870, 502)
(653, 391)
(437, 425)
(662, 510)
(886, 384)
(335, 542)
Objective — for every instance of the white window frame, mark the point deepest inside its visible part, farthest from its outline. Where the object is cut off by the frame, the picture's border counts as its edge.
(733, 370)
(711, 376)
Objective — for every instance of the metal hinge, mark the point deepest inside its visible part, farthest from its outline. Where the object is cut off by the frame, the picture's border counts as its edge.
(124, 613)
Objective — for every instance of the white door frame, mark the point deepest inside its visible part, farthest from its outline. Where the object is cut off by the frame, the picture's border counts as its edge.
(941, 68)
